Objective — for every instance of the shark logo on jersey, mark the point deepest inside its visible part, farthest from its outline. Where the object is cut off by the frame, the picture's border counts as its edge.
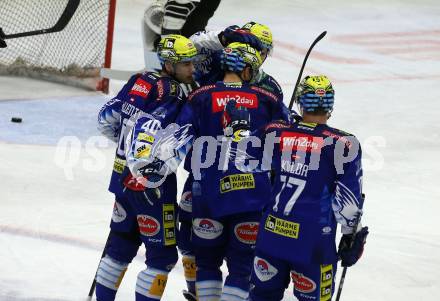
(173, 137)
(346, 205)
(159, 113)
(263, 269)
(109, 120)
(168, 144)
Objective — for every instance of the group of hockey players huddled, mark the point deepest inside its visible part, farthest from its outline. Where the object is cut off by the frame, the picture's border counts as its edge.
(273, 222)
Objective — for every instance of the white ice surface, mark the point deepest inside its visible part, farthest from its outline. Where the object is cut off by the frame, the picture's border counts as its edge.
(384, 59)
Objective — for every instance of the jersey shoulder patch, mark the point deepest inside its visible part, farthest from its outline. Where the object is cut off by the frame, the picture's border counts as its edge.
(166, 86)
(142, 86)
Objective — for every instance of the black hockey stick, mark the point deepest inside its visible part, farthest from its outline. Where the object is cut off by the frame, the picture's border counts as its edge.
(292, 99)
(93, 286)
(344, 270)
(67, 14)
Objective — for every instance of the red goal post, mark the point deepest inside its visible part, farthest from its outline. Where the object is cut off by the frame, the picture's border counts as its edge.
(71, 56)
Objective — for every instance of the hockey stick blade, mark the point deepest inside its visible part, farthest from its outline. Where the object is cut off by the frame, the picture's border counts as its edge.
(93, 286)
(62, 22)
(319, 38)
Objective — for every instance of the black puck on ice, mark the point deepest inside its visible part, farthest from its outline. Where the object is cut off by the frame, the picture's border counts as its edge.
(16, 119)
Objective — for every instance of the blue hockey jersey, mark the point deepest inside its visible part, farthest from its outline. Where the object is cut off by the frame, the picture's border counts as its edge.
(147, 94)
(225, 192)
(318, 183)
(208, 69)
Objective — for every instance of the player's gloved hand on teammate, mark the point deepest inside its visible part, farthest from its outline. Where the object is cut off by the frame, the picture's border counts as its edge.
(140, 188)
(294, 116)
(351, 249)
(232, 60)
(236, 120)
(236, 34)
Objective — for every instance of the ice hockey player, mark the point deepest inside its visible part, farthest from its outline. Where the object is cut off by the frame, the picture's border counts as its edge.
(318, 183)
(226, 207)
(264, 34)
(210, 44)
(188, 17)
(230, 34)
(138, 215)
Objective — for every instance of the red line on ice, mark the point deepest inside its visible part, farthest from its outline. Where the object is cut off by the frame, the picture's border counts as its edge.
(405, 49)
(295, 63)
(52, 237)
(58, 238)
(388, 42)
(397, 77)
(355, 38)
(321, 56)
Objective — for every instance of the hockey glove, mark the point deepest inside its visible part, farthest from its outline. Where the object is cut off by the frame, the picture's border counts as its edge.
(351, 247)
(232, 61)
(294, 117)
(236, 120)
(136, 188)
(235, 34)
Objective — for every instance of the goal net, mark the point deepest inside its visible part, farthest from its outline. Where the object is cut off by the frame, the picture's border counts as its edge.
(72, 56)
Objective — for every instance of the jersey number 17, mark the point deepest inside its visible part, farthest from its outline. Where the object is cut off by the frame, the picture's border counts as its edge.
(289, 183)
